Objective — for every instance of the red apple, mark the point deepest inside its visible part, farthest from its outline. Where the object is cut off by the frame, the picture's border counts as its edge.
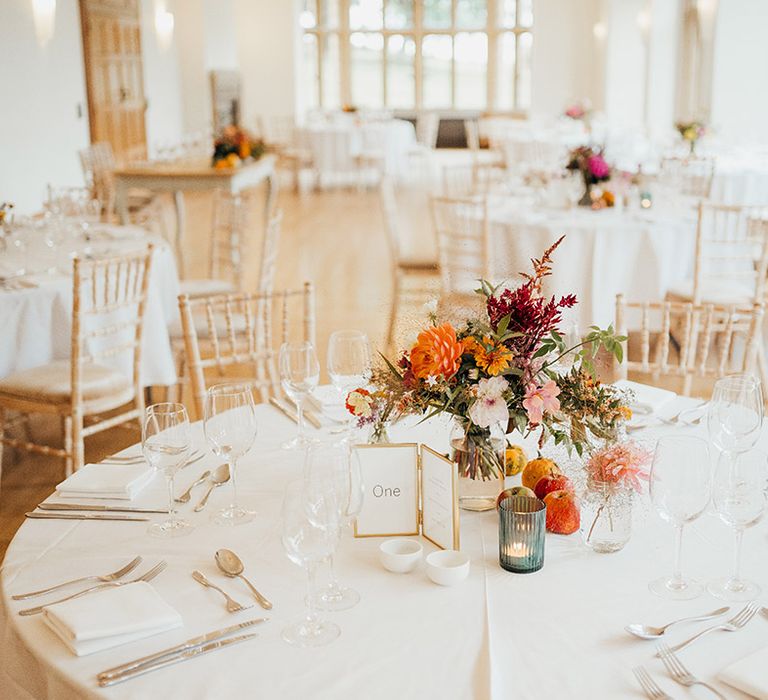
(562, 512)
(552, 482)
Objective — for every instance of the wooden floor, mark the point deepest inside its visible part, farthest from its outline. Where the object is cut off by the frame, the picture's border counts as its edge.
(333, 238)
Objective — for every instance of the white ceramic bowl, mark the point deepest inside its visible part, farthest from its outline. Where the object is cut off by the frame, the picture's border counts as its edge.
(400, 555)
(447, 567)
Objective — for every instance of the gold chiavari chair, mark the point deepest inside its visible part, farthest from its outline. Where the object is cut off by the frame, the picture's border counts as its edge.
(690, 177)
(715, 339)
(109, 297)
(250, 345)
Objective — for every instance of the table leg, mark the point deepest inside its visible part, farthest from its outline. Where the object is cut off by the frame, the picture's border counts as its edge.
(178, 201)
(269, 201)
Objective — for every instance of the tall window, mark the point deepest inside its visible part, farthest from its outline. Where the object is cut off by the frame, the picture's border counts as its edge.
(414, 54)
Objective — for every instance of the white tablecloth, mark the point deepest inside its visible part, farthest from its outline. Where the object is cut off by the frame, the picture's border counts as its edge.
(555, 633)
(604, 253)
(37, 322)
(334, 145)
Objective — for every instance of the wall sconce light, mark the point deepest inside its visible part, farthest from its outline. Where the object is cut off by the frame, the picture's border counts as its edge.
(599, 30)
(164, 22)
(44, 13)
(644, 22)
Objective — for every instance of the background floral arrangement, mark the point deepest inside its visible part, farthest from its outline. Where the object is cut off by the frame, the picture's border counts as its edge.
(234, 145)
(691, 131)
(579, 111)
(590, 163)
(499, 369)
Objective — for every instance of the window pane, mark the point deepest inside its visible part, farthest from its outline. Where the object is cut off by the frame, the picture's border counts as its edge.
(329, 13)
(308, 16)
(525, 13)
(437, 14)
(367, 50)
(524, 75)
(471, 14)
(365, 14)
(436, 51)
(507, 13)
(311, 83)
(331, 78)
(471, 56)
(505, 73)
(398, 14)
(401, 82)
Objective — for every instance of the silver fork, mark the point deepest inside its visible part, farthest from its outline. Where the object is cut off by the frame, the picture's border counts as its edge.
(680, 673)
(649, 685)
(130, 566)
(154, 571)
(232, 605)
(738, 621)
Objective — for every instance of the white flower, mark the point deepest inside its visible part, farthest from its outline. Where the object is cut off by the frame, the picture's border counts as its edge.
(431, 380)
(490, 407)
(430, 307)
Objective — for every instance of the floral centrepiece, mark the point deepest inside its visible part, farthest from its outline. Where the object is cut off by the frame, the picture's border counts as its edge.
(235, 145)
(578, 111)
(593, 168)
(691, 132)
(498, 370)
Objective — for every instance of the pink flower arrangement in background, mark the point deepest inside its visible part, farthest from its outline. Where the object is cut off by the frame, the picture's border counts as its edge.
(541, 399)
(621, 463)
(598, 167)
(578, 111)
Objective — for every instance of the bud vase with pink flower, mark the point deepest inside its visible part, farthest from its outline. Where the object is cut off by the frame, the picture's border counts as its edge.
(593, 168)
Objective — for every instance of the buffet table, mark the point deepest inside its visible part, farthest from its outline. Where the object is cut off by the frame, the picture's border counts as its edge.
(554, 633)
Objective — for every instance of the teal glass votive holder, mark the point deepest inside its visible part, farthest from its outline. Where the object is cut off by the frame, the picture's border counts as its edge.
(522, 525)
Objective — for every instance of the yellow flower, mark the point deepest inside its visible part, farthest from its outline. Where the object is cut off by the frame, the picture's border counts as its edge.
(493, 361)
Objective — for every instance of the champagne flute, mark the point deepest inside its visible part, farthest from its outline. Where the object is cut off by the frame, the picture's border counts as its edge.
(349, 364)
(165, 442)
(333, 466)
(299, 375)
(229, 424)
(739, 493)
(309, 535)
(680, 486)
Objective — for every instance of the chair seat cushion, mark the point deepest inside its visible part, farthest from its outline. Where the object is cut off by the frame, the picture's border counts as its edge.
(721, 292)
(51, 383)
(206, 287)
(419, 264)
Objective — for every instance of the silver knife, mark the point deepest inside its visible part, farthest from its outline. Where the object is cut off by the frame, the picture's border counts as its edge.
(99, 507)
(184, 646)
(292, 415)
(82, 516)
(182, 656)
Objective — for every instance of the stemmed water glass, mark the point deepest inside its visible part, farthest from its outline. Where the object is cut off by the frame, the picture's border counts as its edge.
(333, 465)
(310, 534)
(735, 414)
(349, 363)
(739, 493)
(680, 486)
(299, 375)
(229, 424)
(165, 442)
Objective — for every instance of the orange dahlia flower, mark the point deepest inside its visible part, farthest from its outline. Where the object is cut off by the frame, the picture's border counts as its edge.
(437, 353)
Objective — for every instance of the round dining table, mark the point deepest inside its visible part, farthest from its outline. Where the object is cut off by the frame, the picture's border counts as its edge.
(558, 632)
(36, 306)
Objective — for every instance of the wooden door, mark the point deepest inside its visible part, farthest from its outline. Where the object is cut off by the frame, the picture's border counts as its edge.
(114, 78)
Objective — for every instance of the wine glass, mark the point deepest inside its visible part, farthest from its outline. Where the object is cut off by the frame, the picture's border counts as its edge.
(332, 465)
(735, 413)
(229, 424)
(165, 442)
(680, 486)
(739, 493)
(310, 534)
(299, 375)
(349, 363)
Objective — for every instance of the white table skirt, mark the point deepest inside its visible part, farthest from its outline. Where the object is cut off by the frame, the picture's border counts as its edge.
(604, 253)
(496, 635)
(37, 322)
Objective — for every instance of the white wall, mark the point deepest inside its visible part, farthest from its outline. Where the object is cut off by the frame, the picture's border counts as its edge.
(42, 88)
(739, 86)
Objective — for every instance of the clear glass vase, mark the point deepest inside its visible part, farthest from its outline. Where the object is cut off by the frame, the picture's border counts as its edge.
(606, 516)
(479, 455)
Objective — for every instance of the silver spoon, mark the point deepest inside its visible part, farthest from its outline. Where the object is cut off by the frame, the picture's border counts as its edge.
(648, 632)
(220, 476)
(233, 567)
(184, 498)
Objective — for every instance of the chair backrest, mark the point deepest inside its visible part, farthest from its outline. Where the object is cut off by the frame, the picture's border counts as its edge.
(458, 181)
(731, 250)
(427, 128)
(98, 164)
(270, 249)
(240, 333)
(391, 217)
(231, 229)
(525, 155)
(279, 130)
(691, 177)
(108, 303)
(677, 338)
(461, 225)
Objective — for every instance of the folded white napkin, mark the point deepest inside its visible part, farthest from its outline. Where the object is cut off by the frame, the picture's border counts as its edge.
(121, 481)
(111, 617)
(648, 399)
(749, 674)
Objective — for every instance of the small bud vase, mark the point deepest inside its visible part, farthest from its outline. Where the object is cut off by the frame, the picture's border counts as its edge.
(479, 455)
(606, 516)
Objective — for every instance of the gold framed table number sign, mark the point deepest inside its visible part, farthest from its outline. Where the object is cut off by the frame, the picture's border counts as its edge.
(409, 490)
